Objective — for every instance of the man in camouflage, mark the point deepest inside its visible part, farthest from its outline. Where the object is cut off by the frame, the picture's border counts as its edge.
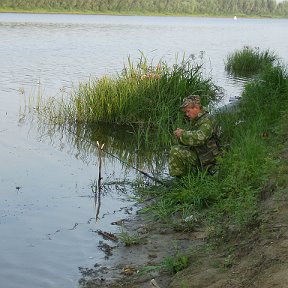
(197, 147)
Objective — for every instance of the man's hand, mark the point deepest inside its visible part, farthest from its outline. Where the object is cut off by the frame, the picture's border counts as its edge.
(178, 132)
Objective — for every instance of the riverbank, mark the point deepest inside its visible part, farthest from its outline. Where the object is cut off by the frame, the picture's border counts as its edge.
(254, 257)
(226, 230)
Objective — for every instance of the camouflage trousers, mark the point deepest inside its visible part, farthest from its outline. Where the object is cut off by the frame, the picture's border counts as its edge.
(182, 160)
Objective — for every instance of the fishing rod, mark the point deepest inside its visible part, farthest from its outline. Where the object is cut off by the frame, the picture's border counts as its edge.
(101, 147)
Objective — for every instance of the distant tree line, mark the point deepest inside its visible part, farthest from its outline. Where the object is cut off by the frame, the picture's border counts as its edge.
(190, 7)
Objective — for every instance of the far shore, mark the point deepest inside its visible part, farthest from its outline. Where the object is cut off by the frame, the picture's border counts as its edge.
(131, 13)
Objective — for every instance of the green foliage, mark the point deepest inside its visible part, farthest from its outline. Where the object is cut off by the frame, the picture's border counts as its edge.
(251, 136)
(142, 87)
(192, 7)
(175, 264)
(249, 61)
(247, 164)
(171, 264)
(144, 96)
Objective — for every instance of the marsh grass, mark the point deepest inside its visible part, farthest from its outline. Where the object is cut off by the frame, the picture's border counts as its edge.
(143, 96)
(249, 61)
(251, 137)
(134, 112)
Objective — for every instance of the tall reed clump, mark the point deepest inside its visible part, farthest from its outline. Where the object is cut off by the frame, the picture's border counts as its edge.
(252, 132)
(249, 61)
(143, 95)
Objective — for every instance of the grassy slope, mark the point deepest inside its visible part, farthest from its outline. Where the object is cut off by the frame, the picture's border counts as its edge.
(243, 200)
(253, 137)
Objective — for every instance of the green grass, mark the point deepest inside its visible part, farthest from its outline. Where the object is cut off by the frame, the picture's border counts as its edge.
(130, 239)
(249, 61)
(174, 264)
(170, 264)
(143, 96)
(252, 137)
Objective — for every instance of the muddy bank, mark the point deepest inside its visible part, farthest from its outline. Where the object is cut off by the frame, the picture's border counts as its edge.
(137, 264)
(256, 257)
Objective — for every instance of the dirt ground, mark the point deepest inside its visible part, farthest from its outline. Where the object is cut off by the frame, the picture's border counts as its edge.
(256, 257)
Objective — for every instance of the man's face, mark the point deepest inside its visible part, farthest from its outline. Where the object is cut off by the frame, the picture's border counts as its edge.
(192, 112)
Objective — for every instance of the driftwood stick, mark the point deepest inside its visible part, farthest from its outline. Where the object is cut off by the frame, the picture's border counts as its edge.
(107, 235)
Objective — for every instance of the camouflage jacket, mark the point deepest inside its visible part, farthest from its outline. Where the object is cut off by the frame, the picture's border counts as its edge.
(201, 138)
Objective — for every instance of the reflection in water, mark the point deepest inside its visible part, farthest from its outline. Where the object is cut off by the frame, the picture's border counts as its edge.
(97, 189)
(122, 144)
(238, 83)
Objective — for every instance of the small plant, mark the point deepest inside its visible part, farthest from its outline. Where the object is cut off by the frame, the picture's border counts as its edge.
(175, 264)
(249, 61)
(130, 239)
(170, 264)
(228, 262)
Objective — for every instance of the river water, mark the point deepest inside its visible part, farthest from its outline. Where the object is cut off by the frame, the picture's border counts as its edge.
(47, 204)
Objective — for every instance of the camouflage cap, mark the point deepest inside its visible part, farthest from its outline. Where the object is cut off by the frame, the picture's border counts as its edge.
(191, 100)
